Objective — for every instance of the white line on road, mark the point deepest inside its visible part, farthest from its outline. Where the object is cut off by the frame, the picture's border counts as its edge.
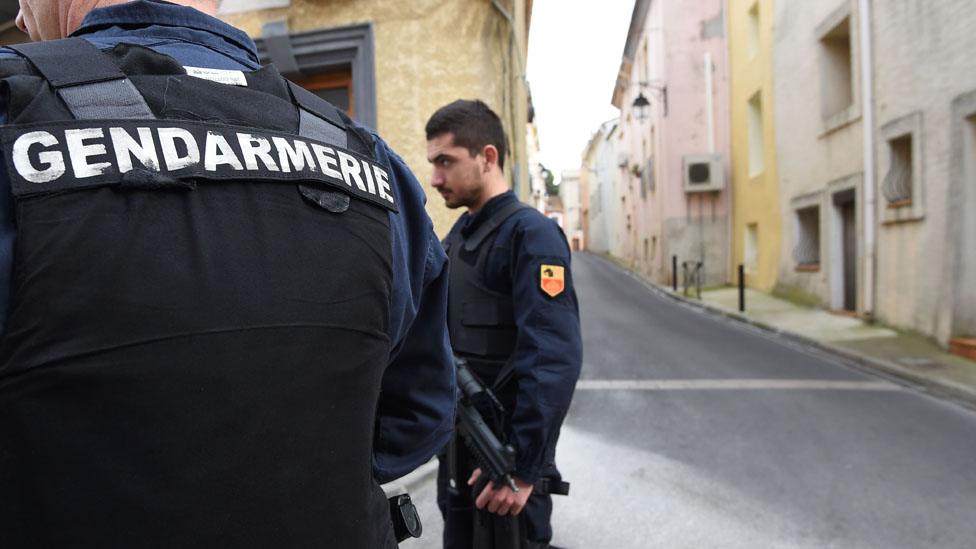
(731, 384)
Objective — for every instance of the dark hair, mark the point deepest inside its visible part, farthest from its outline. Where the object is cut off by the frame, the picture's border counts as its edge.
(473, 124)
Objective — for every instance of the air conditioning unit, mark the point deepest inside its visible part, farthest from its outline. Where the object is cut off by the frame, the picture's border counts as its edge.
(703, 173)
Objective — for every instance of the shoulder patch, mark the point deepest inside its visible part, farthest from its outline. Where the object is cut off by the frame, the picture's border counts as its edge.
(552, 279)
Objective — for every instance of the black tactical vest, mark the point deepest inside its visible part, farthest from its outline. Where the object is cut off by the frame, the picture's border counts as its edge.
(481, 320)
(199, 310)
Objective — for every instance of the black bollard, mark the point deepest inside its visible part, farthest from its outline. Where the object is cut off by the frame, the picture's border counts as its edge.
(674, 273)
(742, 289)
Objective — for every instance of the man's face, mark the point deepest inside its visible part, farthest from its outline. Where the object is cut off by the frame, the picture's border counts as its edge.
(458, 176)
(40, 19)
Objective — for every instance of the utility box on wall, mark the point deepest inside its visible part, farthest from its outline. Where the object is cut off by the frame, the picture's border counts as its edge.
(703, 173)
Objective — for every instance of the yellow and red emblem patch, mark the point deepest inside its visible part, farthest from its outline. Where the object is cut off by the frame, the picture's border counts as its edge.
(552, 279)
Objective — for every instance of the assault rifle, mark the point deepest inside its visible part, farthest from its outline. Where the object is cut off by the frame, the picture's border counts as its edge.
(497, 460)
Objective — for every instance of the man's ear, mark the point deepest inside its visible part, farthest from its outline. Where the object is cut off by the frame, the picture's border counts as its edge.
(491, 156)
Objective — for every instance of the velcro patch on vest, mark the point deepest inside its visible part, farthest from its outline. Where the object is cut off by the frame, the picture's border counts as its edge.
(82, 154)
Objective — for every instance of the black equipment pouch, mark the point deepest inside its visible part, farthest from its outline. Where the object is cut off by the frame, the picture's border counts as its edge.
(406, 520)
(548, 486)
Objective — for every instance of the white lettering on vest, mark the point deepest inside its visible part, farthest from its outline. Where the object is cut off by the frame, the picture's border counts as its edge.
(256, 147)
(167, 141)
(350, 169)
(126, 147)
(218, 151)
(383, 182)
(79, 152)
(53, 160)
(298, 156)
(369, 177)
(327, 161)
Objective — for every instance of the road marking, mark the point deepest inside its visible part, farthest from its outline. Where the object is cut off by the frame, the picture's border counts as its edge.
(731, 384)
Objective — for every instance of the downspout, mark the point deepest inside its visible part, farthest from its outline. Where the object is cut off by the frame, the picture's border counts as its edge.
(867, 108)
(513, 51)
(710, 126)
(729, 196)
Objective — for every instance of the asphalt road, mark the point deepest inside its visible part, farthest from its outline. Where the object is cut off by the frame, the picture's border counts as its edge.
(693, 431)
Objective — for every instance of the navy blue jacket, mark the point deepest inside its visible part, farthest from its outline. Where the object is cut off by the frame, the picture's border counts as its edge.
(417, 402)
(549, 350)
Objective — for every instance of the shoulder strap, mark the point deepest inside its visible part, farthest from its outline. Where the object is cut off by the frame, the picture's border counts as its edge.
(489, 225)
(87, 80)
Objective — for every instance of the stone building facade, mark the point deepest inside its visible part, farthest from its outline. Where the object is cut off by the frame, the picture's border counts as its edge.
(757, 223)
(817, 98)
(675, 194)
(393, 63)
(925, 150)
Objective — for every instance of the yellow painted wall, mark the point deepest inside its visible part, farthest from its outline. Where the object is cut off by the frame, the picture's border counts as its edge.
(755, 197)
(429, 53)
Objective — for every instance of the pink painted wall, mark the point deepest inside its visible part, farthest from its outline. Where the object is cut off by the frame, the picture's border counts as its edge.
(678, 33)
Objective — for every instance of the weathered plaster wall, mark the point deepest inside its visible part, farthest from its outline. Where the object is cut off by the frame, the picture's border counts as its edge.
(429, 53)
(670, 52)
(923, 63)
(813, 151)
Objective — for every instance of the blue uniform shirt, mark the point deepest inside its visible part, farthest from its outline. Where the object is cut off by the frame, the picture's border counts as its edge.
(548, 351)
(417, 402)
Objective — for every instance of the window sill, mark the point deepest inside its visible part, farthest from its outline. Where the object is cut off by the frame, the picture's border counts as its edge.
(904, 203)
(808, 268)
(840, 119)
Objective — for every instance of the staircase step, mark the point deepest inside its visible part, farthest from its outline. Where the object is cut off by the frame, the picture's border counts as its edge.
(964, 347)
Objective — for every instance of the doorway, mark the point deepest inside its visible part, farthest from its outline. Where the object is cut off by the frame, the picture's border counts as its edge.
(845, 267)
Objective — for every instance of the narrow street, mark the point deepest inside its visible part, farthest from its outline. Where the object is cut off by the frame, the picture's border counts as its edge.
(692, 431)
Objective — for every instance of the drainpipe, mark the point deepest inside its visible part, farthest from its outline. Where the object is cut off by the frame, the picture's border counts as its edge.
(867, 109)
(710, 126)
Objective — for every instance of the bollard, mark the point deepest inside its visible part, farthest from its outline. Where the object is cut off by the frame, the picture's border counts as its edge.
(742, 289)
(674, 273)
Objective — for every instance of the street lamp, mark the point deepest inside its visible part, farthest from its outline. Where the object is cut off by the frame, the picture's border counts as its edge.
(641, 105)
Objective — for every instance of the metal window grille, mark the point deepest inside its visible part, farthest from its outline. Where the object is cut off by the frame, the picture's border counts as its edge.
(807, 249)
(897, 184)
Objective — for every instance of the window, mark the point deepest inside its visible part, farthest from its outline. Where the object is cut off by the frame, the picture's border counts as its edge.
(756, 145)
(753, 29)
(900, 163)
(333, 86)
(807, 250)
(751, 247)
(335, 63)
(897, 185)
(836, 69)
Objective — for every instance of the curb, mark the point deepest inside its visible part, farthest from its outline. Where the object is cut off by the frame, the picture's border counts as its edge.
(941, 388)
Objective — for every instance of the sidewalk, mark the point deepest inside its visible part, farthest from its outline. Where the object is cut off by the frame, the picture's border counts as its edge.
(909, 357)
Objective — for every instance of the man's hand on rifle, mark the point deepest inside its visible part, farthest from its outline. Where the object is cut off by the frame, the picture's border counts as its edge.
(501, 500)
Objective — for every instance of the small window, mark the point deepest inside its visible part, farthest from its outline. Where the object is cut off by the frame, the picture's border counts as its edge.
(807, 250)
(334, 86)
(756, 141)
(836, 69)
(751, 247)
(753, 30)
(897, 185)
(903, 185)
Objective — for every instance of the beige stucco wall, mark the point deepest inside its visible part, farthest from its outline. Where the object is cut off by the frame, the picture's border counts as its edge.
(429, 53)
(816, 155)
(923, 62)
